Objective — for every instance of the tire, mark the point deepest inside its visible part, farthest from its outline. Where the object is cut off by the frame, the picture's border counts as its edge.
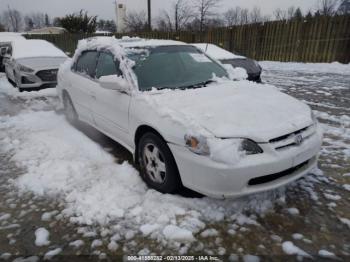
(157, 164)
(69, 110)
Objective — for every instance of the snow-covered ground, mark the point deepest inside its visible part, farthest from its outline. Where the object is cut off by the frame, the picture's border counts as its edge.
(80, 198)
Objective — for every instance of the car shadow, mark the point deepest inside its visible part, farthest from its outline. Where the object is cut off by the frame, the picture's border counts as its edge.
(121, 154)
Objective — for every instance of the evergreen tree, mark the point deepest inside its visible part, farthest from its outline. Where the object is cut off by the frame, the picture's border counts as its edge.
(308, 16)
(298, 15)
(79, 23)
(47, 20)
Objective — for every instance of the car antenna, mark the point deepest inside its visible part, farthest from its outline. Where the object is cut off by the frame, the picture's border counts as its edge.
(206, 48)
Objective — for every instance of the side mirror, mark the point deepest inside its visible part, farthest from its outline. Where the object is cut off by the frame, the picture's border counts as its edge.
(237, 73)
(114, 82)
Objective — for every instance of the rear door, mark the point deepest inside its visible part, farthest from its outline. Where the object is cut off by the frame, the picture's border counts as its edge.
(111, 108)
(83, 84)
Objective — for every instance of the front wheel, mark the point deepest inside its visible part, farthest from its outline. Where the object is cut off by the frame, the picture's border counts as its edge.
(158, 167)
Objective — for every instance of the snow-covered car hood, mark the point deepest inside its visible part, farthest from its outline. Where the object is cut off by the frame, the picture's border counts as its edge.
(237, 110)
(38, 63)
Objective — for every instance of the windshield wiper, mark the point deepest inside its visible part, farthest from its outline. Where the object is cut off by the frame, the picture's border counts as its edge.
(198, 85)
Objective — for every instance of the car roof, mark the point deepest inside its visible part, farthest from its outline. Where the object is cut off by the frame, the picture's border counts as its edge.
(5, 38)
(217, 52)
(130, 42)
(35, 48)
(125, 42)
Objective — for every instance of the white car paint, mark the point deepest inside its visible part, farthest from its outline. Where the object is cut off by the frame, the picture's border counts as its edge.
(223, 110)
(217, 52)
(36, 55)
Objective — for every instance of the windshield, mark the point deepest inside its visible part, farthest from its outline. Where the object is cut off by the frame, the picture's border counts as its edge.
(174, 67)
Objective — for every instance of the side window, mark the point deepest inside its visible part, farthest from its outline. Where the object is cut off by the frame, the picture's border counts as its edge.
(106, 65)
(86, 63)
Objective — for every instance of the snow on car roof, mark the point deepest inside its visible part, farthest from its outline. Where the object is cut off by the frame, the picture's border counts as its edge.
(35, 48)
(5, 38)
(128, 42)
(125, 42)
(217, 52)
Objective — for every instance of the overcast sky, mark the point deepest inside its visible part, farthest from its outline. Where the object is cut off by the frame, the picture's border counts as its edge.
(105, 8)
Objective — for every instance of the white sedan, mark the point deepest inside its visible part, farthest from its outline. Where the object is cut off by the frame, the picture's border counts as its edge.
(184, 119)
(33, 64)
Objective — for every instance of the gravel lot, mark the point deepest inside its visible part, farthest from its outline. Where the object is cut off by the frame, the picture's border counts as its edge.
(308, 219)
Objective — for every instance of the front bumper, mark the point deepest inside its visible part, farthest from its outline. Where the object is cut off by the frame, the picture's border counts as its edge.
(268, 170)
(32, 81)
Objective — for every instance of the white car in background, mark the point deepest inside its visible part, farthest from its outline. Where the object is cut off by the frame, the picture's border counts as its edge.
(33, 64)
(184, 121)
(252, 67)
(5, 43)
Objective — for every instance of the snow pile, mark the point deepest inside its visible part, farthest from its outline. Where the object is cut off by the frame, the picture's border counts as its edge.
(8, 89)
(332, 68)
(49, 255)
(178, 234)
(236, 73)
(290, 249)
(327, 254)
(62, 163)
(42, 237)
(226, 151)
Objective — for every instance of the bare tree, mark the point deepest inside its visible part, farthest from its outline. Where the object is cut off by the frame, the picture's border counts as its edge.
(136, 21)
(280, 14)
(290, 12)
(232, 16)
(244, 16)
(344, 7)
(35, 20)
(182, 14)
(327, 7)
(177, 18)
(12, 20)
(164, 22)
(204, 10)
(255, 15)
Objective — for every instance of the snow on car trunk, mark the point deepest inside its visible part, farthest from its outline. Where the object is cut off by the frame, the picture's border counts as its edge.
(61, 162)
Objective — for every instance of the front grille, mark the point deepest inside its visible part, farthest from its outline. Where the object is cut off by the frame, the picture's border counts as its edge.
(269, 178)
(289, 140)
(48, 85)
(25, 80)
(48, 75)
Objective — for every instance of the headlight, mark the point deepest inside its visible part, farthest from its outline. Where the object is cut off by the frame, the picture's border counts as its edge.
(250, 147)
(25, 69)
(197, 145)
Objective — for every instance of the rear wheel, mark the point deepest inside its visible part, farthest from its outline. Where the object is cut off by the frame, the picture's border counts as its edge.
(69, 110)
(157, 164)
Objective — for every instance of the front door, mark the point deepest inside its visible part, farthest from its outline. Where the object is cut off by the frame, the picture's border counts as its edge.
(83, 85)
(111, 107)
